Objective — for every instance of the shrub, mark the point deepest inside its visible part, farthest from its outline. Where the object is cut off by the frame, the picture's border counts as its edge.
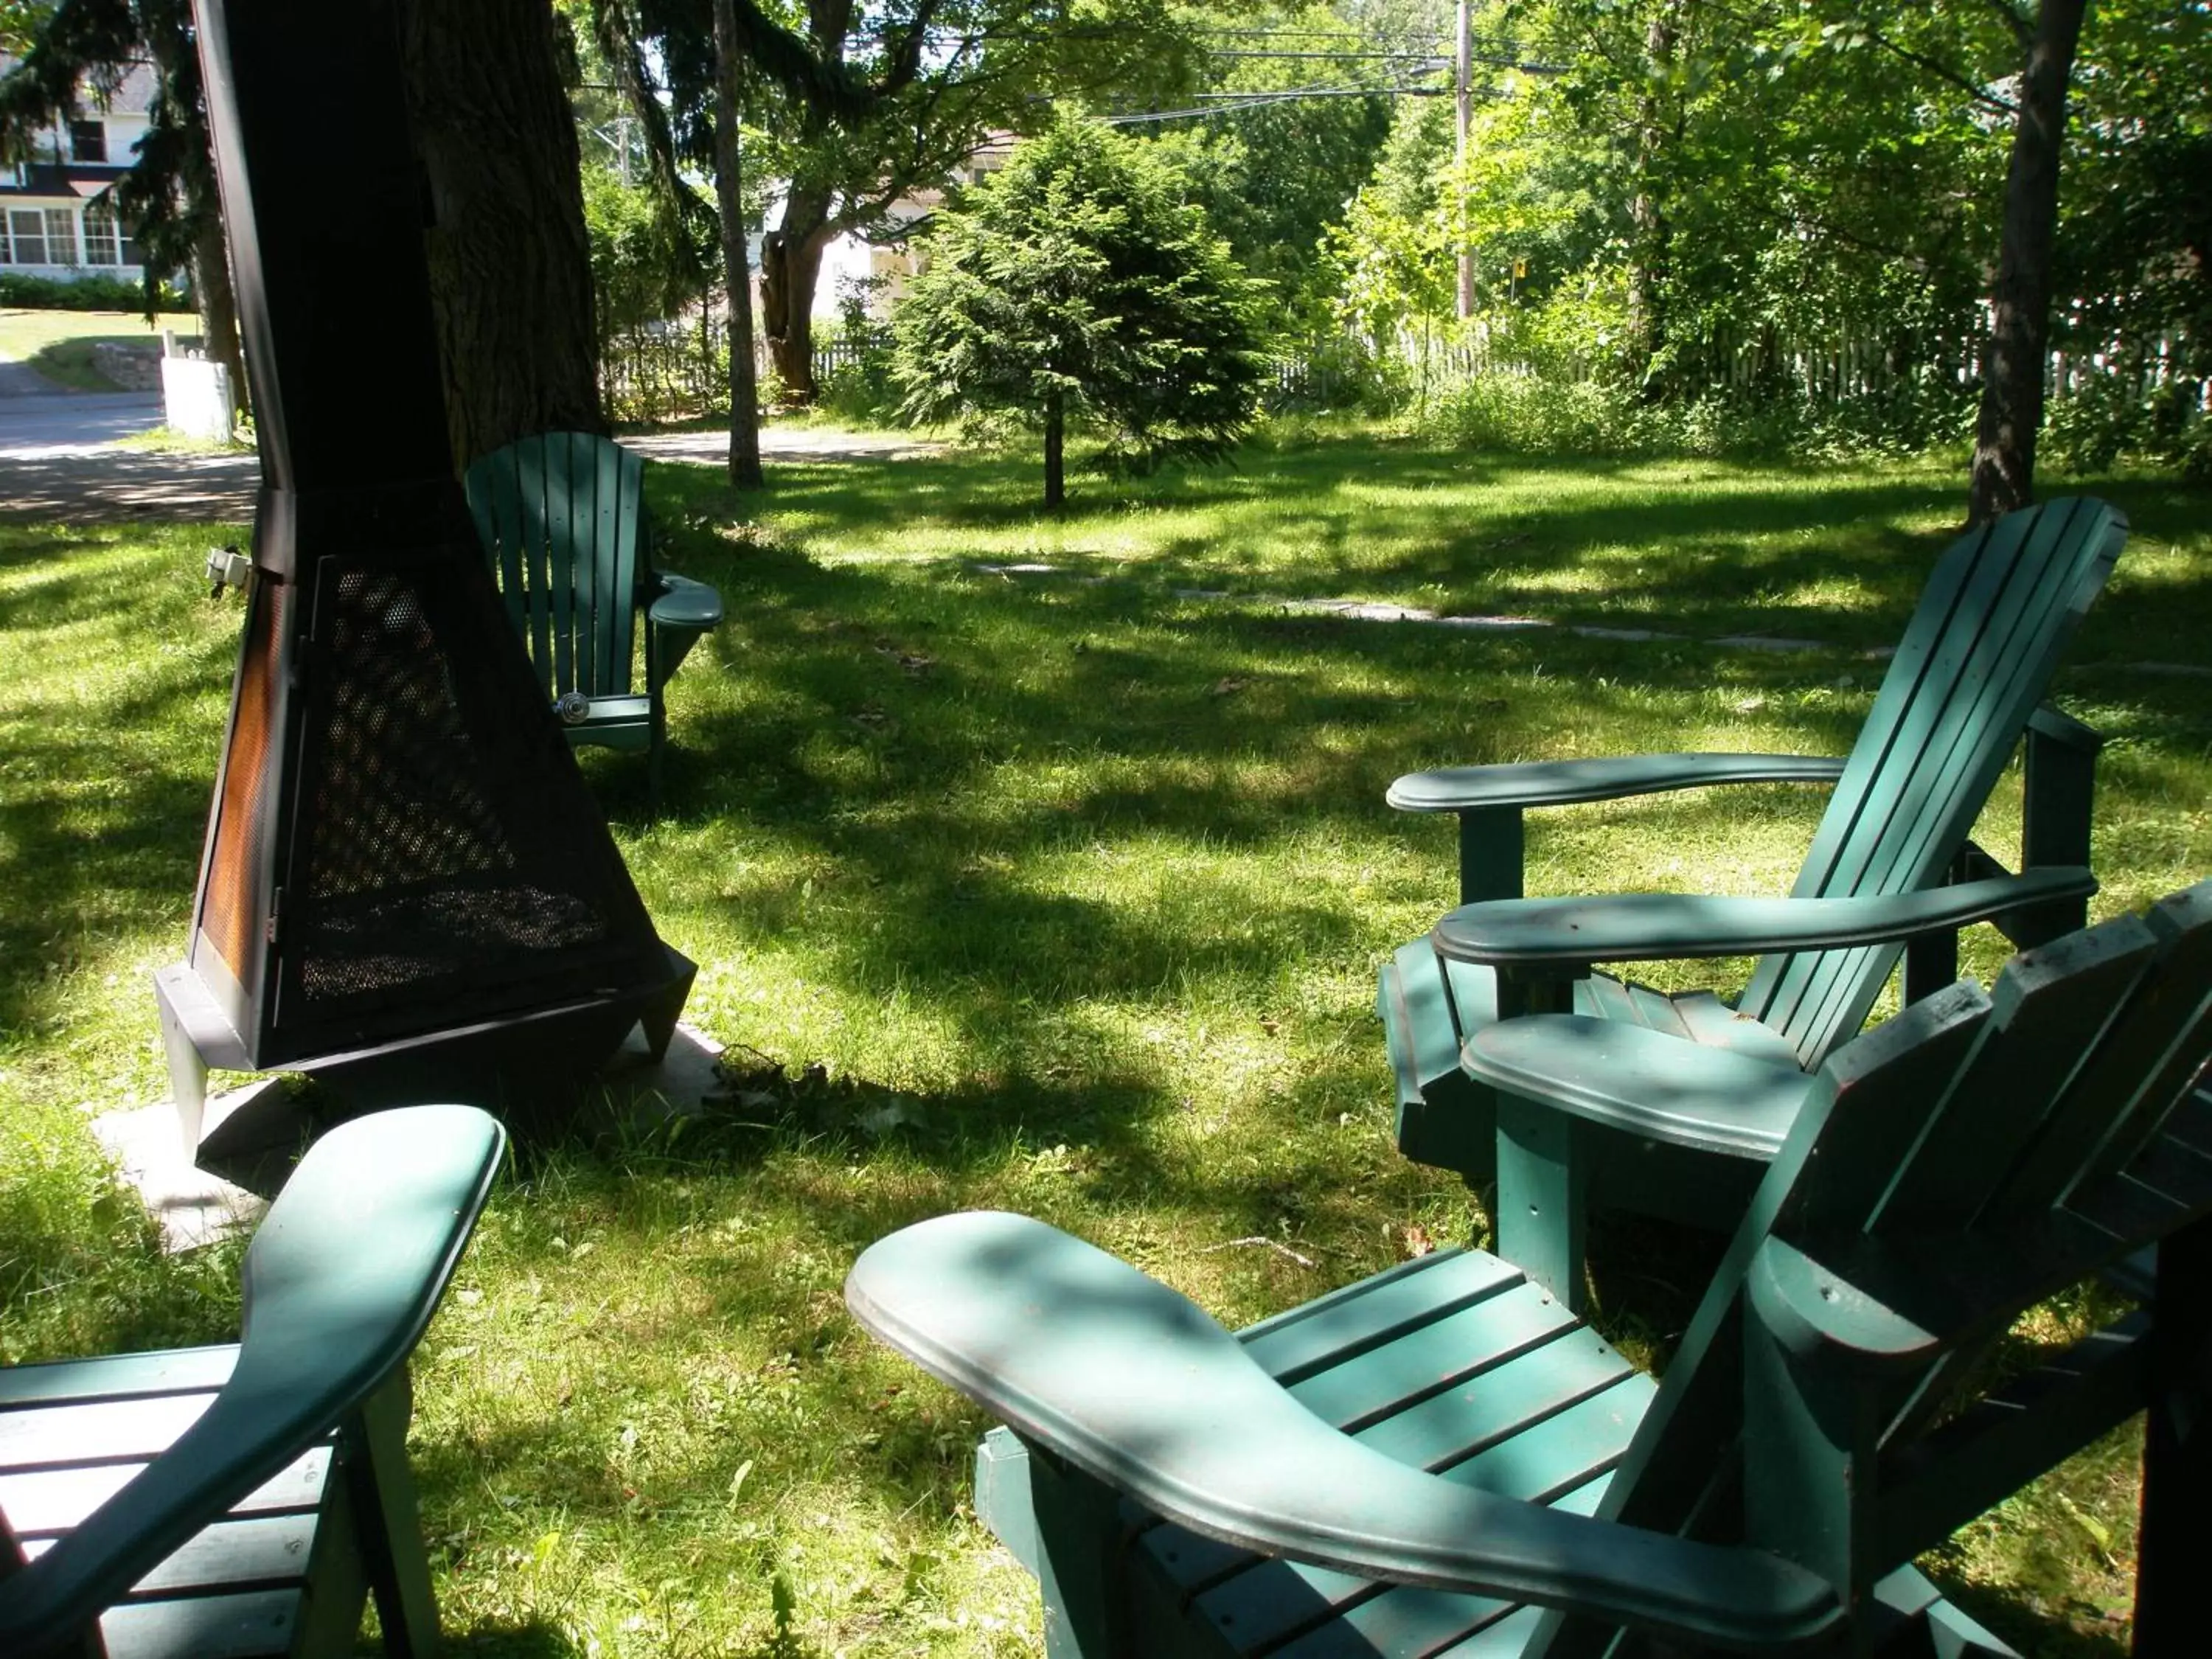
(86, 293)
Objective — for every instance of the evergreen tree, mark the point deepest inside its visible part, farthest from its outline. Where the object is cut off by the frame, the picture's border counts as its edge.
(1076, 285)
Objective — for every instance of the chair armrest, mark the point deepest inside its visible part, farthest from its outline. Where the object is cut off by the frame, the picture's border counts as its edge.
(1672, 926)
(680, 612)
(1644, 1082)
(680, 603)
(1559, 783)
(1137, 1387)
(340, 1282)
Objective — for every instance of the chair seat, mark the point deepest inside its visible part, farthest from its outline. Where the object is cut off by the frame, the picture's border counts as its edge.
(1456, 1364)
(73, 1431)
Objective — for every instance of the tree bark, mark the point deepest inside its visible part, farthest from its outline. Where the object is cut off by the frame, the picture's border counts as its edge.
(1652, 230)
(1055, 440)
(2003, 476)
(218, 304)
(737, 280)
(510, 266)
(791, 268)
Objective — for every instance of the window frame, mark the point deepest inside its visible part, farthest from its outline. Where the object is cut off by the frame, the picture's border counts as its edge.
(61, 238)
(16, 216)
(101, 234)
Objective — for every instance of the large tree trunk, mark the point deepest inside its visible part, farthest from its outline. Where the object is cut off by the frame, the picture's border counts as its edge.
(2020, 299)
(510, 266)
(737, 292)
(218, 304)
(791, 267)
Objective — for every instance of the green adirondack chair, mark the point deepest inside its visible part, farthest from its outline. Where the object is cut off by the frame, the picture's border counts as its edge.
(1442, 1460)
(246, 1499)
(1999, 608)
(563, 522)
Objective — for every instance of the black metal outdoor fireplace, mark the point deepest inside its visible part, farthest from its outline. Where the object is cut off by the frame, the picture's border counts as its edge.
(406, 888)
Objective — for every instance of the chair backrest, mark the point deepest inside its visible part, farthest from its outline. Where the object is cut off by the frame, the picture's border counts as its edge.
(2027, 1139)
(562, 516)
(1999, 607)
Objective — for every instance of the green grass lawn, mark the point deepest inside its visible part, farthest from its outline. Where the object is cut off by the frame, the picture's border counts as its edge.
(59, 343)
(1060, 891)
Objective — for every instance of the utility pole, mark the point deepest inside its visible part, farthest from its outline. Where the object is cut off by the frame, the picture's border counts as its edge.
(1466, 100)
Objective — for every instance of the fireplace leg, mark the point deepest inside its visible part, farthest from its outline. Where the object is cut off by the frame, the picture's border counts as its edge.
(657, 1017)
(194, 1036)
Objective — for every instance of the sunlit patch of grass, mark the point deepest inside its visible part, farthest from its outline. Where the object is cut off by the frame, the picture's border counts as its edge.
(1072, 889)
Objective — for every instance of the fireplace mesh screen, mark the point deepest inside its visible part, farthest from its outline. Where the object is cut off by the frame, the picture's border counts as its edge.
(413, 877)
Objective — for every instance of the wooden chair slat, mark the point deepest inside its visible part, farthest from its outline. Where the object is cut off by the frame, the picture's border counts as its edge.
(1477, 1342)
(1952, 736)
(1402, 1620)
(117, 1376)
(573, 559)
(54, 1500)
(1292, 1350)
(248, 1626)
(2054, 1001)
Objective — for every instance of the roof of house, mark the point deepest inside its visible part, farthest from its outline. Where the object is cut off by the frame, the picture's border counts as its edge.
(59, 181)
(131, 95)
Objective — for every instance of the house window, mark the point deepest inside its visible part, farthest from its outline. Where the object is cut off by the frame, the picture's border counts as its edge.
(29, 226)
(99, 235)
(87, 141)
(61, 237)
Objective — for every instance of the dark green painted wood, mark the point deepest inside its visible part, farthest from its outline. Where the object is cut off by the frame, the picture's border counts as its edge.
(1541, 1216)
(1130, 1382)
(1509, 1402)
(1933, 1486)
(52, 1501)
(2176, 1449)
(1559, 783)
(382, 1492)
(1808, 1411)
(1400, 1620)
(1642, 1082)
(1490, 854)
(118, 1376)
(2000, 607)
(1564, 933)
(1294, 1350)
(1975, 1134)
(339, 1282)
(1445, 1353)
(562, 520)
(1078, 1536)
(244, 1627)
(1257, 1610)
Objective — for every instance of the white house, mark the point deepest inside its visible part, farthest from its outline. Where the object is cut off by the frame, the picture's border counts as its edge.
(56, 215)
(885, 258)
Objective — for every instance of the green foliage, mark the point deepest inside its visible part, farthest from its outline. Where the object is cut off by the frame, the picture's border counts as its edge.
(643, 269)
(1076, 278)
(1273, 177)
(861, 385)
(86, 293)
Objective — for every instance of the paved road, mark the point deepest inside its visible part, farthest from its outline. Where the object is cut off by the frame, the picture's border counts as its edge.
(59, 457)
